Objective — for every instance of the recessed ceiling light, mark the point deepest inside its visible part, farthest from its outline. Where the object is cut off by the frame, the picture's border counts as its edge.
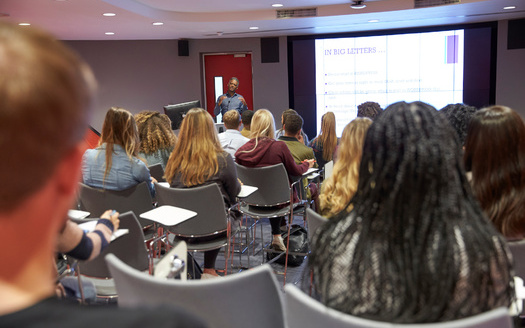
(254, 28)
(109, 14)
(358, 4)
(277, 5)
(509, 7)
(158, 23)
(24, 24)
(110, 33)
(373, 21)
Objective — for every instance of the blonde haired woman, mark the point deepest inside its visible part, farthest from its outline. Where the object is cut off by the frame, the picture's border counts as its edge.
(264, 150)
(339, 188)
(114, 164)
(198, 159)
(156, 137)
(325, 144)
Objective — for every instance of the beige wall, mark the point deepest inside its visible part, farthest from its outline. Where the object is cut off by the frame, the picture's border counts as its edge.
(510, 75)
(139, 75)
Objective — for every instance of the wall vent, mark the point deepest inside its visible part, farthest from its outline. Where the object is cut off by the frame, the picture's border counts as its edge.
(433, 3)
(295, 13)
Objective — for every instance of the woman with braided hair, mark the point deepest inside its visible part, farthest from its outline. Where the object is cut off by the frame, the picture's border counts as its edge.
(157, 139)
(417, 247)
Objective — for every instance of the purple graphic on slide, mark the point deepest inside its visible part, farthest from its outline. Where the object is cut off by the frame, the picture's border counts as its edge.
(452, 49)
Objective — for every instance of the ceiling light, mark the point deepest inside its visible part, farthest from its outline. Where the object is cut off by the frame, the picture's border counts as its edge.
(373, 21)
(358, 4)
(110, 33)
(24, 24)
(254, 28)
(158, 23)
(509, 7)
(109, 14)
(277, 5)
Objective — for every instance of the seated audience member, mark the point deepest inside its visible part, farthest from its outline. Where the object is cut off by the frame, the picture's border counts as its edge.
(157, 139)
(198, 159)
(302, 138)
(40, 183)
(264, 150)
(300, 152)
(339, 188)
(114, 164)
(292, 132)
(369, 109)
(416, 248)
(459, 117)
(81, 245)
(325, 144)
(232, 139)
(495, 155)
(246, 118)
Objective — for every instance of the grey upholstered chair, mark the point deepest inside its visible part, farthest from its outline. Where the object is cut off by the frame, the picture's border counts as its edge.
(136, 199)
(302, 311)
(130, 248)
(246, 299)
(273, 197)
(211, 220)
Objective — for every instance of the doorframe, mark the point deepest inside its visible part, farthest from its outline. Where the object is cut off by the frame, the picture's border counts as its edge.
(203, 69)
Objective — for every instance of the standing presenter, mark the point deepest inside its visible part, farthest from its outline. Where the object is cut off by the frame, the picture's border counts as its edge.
(230, 100)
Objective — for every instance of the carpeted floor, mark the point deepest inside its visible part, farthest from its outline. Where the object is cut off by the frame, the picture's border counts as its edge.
(253, 256)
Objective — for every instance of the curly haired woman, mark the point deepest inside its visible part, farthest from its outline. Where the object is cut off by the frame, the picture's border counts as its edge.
(156, 137)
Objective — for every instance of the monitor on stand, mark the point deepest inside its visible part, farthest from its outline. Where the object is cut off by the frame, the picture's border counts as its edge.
(177, 112)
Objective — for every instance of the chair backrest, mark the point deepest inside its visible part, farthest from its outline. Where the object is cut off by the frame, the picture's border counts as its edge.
(136, 199)
(314, 220)
(130, 248)
(272, 183)
(246, 299)
(517, 248)
(302, 311)
(206, 200)
(157, 172)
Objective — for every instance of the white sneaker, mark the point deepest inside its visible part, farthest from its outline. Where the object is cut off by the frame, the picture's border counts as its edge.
(278, 244)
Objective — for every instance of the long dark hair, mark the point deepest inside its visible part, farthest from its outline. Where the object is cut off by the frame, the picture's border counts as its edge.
(417, 246)
(495, 153)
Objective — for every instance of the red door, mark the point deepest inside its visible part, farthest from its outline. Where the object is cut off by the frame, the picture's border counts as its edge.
(237, 65)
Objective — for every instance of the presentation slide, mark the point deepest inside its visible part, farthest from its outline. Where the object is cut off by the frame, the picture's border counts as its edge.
(424, 67)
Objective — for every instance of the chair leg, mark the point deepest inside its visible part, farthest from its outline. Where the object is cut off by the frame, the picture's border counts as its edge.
(262, 245)
(80, 287)
(193, 257)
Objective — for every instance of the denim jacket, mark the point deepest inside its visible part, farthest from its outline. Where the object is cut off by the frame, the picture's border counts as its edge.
(124, 173)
